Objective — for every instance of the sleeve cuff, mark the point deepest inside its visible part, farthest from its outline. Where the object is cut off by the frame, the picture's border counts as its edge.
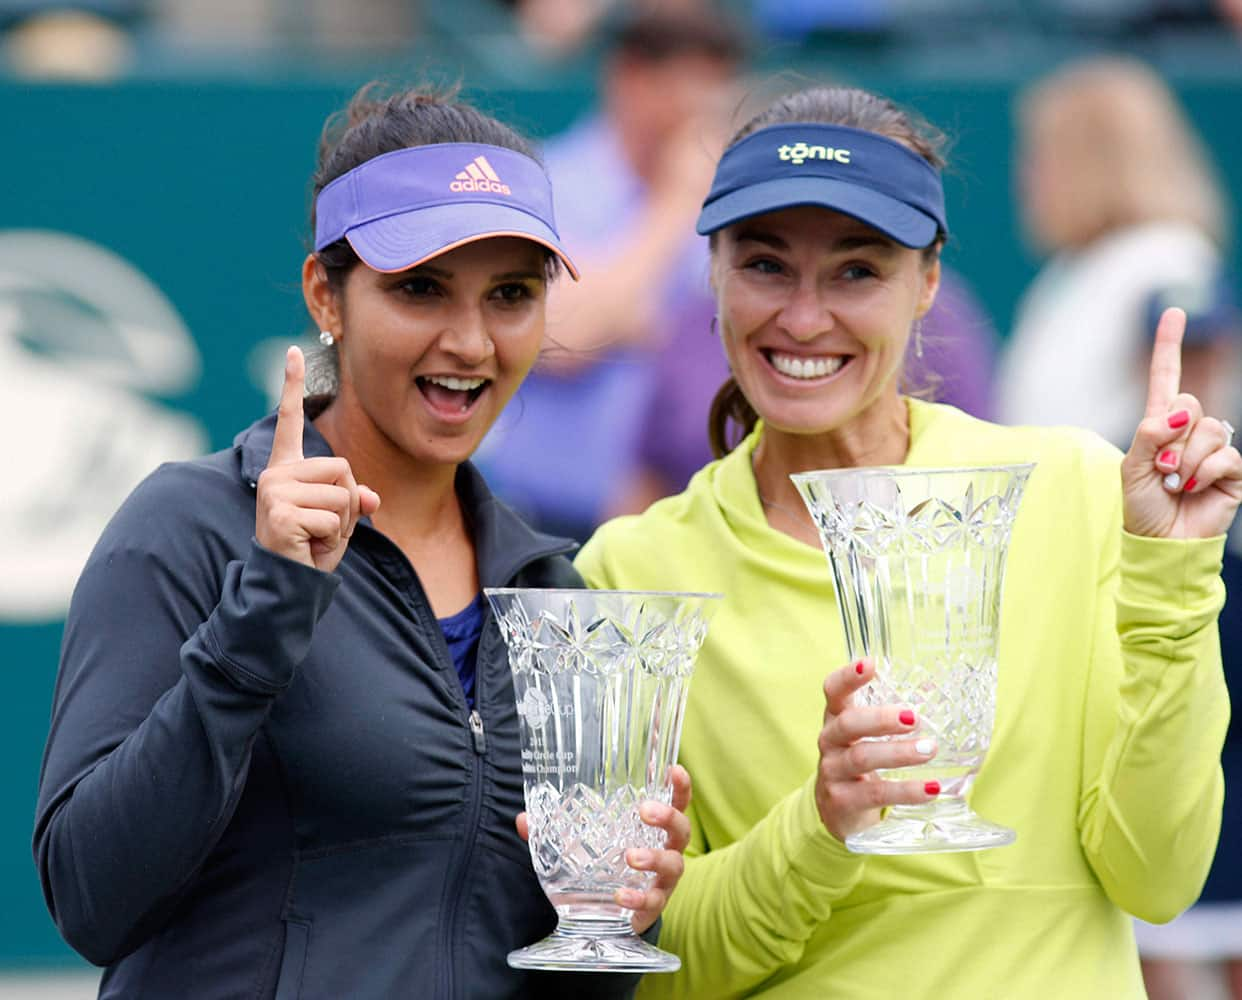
(814, 853)
(1171, 584)
(263, 626)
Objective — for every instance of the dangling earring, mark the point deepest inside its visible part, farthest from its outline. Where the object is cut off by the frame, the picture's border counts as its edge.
(715, 326)
(918, 338)
(326, 338)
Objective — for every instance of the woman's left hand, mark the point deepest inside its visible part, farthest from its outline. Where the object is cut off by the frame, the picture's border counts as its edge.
(1182, 477)
(667, 862)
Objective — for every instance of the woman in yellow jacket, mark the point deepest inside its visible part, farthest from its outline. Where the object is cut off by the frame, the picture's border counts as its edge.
(826, 219)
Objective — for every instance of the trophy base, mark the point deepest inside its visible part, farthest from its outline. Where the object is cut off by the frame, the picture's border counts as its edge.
(586, 945)
(936, 828)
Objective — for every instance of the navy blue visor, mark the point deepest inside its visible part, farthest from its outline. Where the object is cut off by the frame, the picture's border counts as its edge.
(867, 176)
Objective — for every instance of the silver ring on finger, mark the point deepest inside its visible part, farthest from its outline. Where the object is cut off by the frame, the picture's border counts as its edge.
(1228, 430)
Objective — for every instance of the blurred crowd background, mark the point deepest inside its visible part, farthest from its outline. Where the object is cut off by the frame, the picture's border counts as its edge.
(156, 157)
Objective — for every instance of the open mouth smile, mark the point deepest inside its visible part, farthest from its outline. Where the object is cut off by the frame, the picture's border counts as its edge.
(805, 369)
(451, 395)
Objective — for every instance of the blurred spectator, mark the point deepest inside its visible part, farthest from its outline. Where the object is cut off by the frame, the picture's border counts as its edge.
(628, 183)
(67, 44)
(795, 19)
(1231, 12)
(376, 26)
(557, 28)
(241, 24)
(1115, 186)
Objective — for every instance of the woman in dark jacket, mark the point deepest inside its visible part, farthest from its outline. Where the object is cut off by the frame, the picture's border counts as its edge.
(284, 754)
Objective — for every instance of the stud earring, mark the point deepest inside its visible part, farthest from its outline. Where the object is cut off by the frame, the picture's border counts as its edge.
(326, 338)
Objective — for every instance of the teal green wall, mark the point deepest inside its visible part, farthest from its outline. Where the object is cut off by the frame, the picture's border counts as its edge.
(204, 188)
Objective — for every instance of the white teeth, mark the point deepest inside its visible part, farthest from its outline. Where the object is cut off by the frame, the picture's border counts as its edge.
(456, 384)
(795, 367)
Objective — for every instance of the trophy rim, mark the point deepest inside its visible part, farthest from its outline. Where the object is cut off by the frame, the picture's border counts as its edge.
(510, 591)
(909, 470)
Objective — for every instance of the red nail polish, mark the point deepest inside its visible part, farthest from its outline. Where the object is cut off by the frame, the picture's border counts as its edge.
(1191, 483)
(859, 667)
(907, 718)
(932, 788)
(1167, 458)
(1179, 419)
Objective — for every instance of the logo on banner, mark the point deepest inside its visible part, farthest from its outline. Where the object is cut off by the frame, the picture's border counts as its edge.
(87, 343)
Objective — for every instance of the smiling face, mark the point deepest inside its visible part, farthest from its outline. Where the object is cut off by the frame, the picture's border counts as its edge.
(815, 314)
(430, 356)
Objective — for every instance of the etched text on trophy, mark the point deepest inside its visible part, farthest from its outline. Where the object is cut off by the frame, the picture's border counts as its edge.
(541, 763)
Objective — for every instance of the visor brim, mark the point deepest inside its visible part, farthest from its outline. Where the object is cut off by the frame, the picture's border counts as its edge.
(407, 239)
(901, 222)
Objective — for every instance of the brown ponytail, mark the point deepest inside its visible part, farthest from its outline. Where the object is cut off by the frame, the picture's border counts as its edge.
(729, 406)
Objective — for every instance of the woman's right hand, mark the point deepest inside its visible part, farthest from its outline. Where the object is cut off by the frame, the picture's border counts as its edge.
(307, 507)
(848, 792)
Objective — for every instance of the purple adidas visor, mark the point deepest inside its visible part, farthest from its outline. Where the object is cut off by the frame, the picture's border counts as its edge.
(402, 208)
(870, 177)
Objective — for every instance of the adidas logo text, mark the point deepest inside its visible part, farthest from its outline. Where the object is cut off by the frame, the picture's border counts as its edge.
(479, 176)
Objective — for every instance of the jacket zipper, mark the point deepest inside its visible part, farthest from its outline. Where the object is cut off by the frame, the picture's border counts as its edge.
(479, 737)
(476, 729)
(474, 720)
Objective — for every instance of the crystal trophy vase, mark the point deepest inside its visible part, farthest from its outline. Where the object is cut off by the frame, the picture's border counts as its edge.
(918, 562)
(601, 679)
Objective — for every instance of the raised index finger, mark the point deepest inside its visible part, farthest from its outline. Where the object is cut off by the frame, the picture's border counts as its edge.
(1165, 380)
(287, 443)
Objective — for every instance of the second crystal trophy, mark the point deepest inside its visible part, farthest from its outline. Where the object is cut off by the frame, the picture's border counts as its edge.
(601, 679)
(918, 562)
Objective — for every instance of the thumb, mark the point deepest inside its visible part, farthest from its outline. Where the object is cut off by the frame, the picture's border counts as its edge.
(840, 685)
(368, 500)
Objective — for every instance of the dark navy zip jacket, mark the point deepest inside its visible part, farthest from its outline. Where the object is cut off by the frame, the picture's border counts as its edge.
(262, 781)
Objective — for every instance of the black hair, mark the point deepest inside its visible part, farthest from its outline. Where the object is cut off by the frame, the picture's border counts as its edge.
(374, 123)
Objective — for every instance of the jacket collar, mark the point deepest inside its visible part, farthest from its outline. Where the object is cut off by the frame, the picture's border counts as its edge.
(504, 542)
